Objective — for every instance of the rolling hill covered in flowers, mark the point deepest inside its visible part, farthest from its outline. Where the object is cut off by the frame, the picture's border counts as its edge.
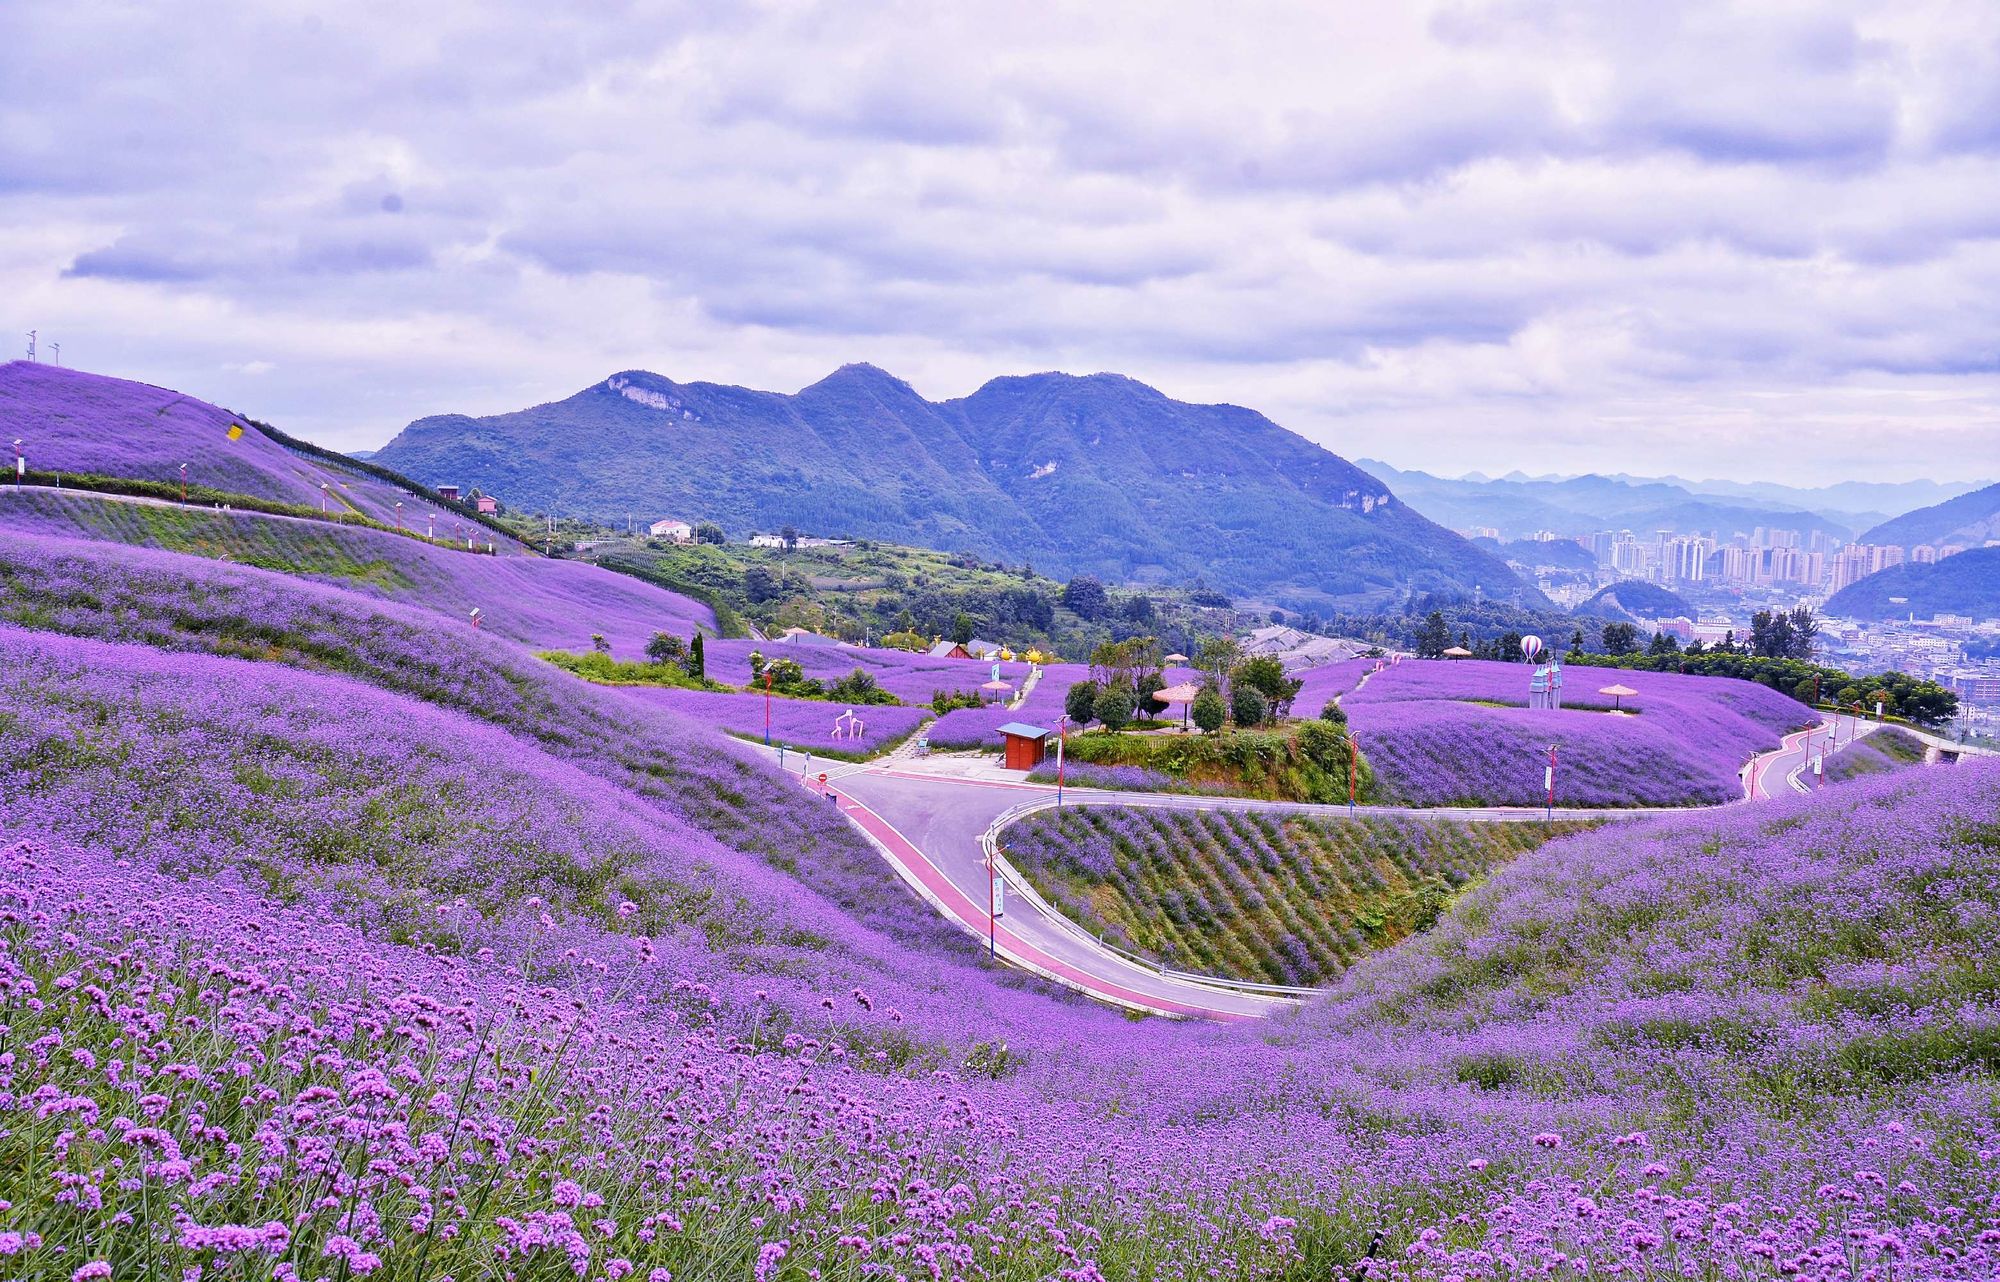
(339, 939)
(1460, 733)
(80, 425)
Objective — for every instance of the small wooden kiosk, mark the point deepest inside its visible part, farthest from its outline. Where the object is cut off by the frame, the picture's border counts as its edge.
(1025, 745)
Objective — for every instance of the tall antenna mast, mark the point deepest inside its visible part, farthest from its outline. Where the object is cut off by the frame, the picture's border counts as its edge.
(31, 344)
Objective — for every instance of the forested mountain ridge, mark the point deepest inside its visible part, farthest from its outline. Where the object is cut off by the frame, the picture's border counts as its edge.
(1094, 474)
(1969, 518)
(1967, 584)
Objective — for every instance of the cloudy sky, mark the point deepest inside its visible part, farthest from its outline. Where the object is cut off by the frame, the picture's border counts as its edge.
(1757, 242)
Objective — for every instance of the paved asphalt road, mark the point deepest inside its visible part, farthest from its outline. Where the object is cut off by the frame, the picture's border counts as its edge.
(929, 828)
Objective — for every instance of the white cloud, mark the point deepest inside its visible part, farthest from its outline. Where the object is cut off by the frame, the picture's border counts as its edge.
(1757, 239)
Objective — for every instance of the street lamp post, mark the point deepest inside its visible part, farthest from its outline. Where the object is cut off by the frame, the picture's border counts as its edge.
(1353, 769)
(20, 465)
(1549, 785)
(399, 514)
(1062, 735)
(767, 709)
(322, 498)
(993, 906)
(184, 485)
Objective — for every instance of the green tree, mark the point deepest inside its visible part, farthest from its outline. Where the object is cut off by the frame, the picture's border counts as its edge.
(1114, 707)
(1663, 643)
(1148, 688)
(1215, 656)
(1248, 706)
(1266, 676)
(1619, 638)
(790, 536)
(709, 532)
(1208, 710)
(961, 628)
(1334, 713)
(1081, 702)
(665, 647)
(1576, 641)
(859, 687)
(1434, 637)
(697, 660)
(599, 644)
(1086, 598)
(760, 585)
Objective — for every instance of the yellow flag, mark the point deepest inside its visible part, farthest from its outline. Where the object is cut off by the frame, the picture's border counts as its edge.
(236, 431)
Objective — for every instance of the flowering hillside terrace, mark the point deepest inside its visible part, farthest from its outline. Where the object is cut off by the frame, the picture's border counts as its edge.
(1445, 733)
(542, 603)
(583, 1101)
(811, 724)
(336, 944)
(73, 422)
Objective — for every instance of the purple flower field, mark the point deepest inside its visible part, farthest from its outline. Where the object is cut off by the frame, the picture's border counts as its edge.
(800, 723)
(337, 943)
(543, 604)
(913, 678)
(1684, 744)
(1328, 682)
(70, 421)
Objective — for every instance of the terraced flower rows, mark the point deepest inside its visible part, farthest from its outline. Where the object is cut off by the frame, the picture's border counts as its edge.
(1273, 897)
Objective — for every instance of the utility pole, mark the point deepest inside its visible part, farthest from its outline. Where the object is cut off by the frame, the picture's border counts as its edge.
(1549, 783)
(31, 343)
(55, 353)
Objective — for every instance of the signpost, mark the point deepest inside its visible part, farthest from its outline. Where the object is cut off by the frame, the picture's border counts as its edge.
(20, 466)
(767, 712)
(1353, 769)
(1549, 785)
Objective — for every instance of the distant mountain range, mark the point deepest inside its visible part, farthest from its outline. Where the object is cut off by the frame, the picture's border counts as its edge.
(1096, 474)
(1968, 583)
(1970, 519)
(1859, 504)
(1518, 506)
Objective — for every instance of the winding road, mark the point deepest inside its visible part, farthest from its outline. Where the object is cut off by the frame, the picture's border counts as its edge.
(934, 820)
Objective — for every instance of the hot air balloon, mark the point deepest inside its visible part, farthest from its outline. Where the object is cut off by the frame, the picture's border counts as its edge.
(1530, 647)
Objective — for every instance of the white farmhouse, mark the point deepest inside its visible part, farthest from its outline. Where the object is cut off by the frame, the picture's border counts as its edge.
(678, 531)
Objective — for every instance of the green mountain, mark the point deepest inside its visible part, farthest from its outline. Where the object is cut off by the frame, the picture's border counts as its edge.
(1970, 519)
(1636, 599)
(1968, 583)
(1076, 475)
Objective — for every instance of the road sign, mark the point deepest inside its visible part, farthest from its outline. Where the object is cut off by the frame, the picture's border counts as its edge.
(999, 898)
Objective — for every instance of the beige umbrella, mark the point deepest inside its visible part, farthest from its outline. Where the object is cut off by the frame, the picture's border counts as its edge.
(1183, 694)
(1618, 696)
(1457, 652)
(1176, 658)
(999, 687)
